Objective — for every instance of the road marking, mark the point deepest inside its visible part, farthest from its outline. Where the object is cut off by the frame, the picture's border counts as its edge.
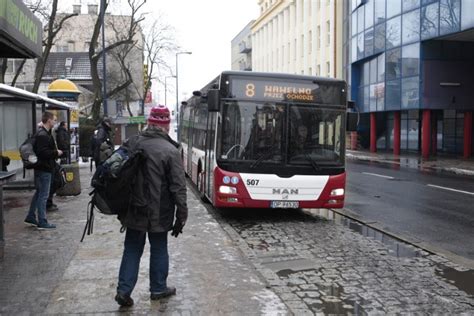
(449, 189)
(378, 175)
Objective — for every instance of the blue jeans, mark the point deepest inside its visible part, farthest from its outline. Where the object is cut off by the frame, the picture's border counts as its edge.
(132, 253)
(38, 202)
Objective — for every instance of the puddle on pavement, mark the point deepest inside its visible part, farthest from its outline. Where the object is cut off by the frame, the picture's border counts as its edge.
(396, 248)
(463, 280)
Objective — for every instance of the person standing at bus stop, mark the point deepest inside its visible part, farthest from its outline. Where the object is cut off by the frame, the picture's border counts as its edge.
(161, 189)
(46, 151)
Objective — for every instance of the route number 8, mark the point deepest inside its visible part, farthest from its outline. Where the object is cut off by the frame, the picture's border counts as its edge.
(250, 90)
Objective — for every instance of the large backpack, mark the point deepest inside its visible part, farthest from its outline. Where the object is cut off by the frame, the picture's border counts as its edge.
(113, 183)
(27, 152)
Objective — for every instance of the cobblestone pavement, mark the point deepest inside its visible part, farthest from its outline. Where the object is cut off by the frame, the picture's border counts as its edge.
(320, 266)
(50, 272)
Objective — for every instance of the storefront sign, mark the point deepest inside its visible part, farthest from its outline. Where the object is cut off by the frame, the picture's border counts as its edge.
(21, 28)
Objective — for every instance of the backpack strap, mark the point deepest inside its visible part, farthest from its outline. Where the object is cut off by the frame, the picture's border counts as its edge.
(90, 220)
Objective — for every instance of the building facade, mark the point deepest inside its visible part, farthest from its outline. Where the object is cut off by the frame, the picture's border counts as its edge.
(299, 36)
(409, 64)
(241, 49)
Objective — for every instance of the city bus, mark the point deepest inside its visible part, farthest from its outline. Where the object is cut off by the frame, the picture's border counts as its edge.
(266, 140)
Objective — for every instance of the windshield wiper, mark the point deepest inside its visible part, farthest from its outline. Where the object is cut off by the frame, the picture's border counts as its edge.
(314, 164)
(263, 156)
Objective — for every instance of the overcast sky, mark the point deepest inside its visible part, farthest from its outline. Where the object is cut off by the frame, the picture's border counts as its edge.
(206, 28)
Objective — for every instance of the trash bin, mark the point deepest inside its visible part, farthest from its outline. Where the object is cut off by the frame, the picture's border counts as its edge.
(73, 181)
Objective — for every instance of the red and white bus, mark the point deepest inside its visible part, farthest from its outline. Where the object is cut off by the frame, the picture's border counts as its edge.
(265, 140)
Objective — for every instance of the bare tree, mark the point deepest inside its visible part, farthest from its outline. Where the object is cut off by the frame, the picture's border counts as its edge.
(46, 10)
(95, 53)
(158, 43)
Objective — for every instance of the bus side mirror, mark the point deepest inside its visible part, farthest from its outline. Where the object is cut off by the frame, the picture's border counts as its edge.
(352, 120)
(213, 100)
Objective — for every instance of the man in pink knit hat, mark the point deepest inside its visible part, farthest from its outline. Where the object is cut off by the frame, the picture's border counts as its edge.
(159, 198)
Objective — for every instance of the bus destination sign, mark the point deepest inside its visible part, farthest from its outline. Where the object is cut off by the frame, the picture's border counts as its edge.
(281, 91)
(274, 91)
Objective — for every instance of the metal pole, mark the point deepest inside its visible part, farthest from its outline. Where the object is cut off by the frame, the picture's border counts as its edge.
(177, 100)
(104, 77)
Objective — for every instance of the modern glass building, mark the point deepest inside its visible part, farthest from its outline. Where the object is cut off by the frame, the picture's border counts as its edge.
(410, 67)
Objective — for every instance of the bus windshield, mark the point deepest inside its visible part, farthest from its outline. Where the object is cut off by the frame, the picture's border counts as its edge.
(281, 133)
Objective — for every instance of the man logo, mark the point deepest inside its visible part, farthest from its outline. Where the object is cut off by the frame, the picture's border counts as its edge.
(285, 191)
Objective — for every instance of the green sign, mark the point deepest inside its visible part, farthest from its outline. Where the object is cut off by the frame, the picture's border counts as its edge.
(21, 27)
(136, 120)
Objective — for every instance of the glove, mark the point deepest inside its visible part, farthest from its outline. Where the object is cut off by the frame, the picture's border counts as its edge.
(177, 228)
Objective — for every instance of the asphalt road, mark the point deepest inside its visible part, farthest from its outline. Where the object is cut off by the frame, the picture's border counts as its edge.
(434, 208)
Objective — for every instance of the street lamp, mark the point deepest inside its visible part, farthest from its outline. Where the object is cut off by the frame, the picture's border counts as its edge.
(104, 76)
(177, 98)
(166, 89)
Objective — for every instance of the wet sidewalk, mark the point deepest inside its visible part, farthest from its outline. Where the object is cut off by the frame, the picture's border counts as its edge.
(439, 163)
(50, 272)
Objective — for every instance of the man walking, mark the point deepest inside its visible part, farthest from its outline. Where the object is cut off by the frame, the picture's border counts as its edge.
(46, 151)
(158, 197)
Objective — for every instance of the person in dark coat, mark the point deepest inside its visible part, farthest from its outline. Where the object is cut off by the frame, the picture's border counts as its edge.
(102, 142)
(63, 140)
(46, 151)
(159, 198)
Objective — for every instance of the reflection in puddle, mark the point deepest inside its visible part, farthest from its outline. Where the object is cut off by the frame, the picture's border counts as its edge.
(331, 298)
(463, 280)
(396, 248)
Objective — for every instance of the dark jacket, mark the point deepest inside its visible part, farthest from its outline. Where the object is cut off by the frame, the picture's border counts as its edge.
(103, 135)
(63, 139)
(45, 149)
(160, 185)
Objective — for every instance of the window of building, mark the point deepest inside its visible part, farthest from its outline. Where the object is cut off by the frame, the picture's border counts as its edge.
(372, 98)
(354, 49)
(410, 60)
(393, 64)
(302, 46)
(411, 27)
(373, 71)
(328, 32)
(360, 19)
(369, 13)
(380, 96)
(381, 68)
(365, 74)
(353, 24)
(393, 32)
(408, 5)
(379, 11)
(394, 7)
(410, 92)
(392, 94)
(379, 40)
(449, 12)
(62, 48)
(467, 18)
(318, 70)
(310, 42)
(360, 46)
(328, 69)
(423, 2)
(369, 42)
(429, 21)
(318, 38)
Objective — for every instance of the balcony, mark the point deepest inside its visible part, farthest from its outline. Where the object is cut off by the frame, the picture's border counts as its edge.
(245, 66)
(245, 47)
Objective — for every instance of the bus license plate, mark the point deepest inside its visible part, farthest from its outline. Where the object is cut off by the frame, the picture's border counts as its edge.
(284, 204)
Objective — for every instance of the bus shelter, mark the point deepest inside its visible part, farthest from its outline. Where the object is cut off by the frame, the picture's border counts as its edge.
(20, 112)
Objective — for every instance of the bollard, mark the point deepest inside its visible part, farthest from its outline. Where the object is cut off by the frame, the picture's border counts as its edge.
(73, 181)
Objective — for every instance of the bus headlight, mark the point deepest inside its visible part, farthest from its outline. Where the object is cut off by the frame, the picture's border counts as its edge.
(226, 179)
(337, 192)
(234, 180)
(224, 189)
